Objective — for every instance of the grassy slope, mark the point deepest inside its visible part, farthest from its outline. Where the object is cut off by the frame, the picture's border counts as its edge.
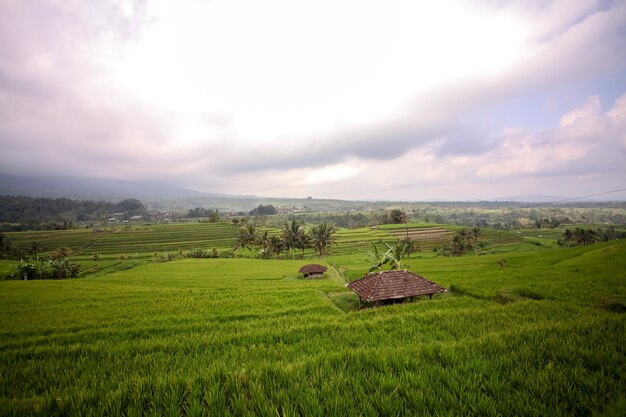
(245, 337)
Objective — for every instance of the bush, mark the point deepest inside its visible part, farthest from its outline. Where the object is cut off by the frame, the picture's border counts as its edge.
(60, 253)
(198, 253)
(30, 269)
(51, 269)
(158, 258)
(63, 268)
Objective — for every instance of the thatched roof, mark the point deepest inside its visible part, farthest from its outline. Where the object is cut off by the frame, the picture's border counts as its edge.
(313, 269)
(393, 285)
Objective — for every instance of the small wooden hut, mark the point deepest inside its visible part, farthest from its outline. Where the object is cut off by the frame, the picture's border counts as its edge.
(390, 286)
(313, 271)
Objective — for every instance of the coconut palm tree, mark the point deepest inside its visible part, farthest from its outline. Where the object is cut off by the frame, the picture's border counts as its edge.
(275, 245)
(475, 234)
(241, 241)
(305, 242)
(460, 242)
(293, 234)
(251, 235)
(322, 237)
(247, 237)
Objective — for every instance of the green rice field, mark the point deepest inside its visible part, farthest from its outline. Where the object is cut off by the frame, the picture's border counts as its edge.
(533, 331)
(132, 239)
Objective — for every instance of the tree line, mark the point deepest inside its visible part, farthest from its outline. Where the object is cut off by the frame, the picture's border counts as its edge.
(18, 213)
(291, 242)
(212, 216)
(293, 237)
(583, 237)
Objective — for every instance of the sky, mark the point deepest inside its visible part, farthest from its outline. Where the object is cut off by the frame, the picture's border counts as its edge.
(363, 99)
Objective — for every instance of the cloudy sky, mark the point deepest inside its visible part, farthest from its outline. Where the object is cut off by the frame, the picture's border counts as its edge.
(340, 99)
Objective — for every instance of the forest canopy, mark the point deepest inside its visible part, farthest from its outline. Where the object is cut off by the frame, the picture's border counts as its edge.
(31, 213)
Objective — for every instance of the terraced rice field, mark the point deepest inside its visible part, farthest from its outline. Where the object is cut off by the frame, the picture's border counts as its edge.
(426, 237)
(134, 239)
(541, 335)
(354, 240)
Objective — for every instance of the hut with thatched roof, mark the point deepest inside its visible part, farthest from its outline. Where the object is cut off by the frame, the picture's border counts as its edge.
(390, 286)
(313, 271)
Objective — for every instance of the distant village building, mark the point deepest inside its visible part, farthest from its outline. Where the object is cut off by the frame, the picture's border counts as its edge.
(313, 271)
(390, 286)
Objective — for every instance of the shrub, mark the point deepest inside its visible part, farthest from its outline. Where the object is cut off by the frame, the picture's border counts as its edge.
(157, 258)
(62, 252)
(197, 253)
(50, 269)
(63, 268)
(30, 269)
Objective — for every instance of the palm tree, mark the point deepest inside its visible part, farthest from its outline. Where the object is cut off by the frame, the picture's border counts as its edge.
(293, 234)
(247, 237)
(475, 234)
(322, 237)
(241, 241)
(305, 242)
(275, 245)
(460, 242)
(251, 235)
(271, 245)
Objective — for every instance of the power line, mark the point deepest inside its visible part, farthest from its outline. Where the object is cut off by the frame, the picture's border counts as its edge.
(578, 198)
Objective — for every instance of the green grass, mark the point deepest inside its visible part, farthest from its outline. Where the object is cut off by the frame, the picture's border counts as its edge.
(541, 335)
(7, 268)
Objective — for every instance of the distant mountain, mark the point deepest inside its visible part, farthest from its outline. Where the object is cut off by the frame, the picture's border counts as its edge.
(93, 188)
(532, 198)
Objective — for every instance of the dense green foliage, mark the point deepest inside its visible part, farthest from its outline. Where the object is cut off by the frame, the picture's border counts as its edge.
(395, 216)
(581, 236)
(541, 335)
(58, 268)
(263, 210)
(29, 213)
(201, 212)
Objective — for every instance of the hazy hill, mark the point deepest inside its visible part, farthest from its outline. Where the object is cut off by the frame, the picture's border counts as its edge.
(92, 188)
(533, 198)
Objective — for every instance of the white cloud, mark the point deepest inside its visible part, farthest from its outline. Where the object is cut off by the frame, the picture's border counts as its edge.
(591, 107)
(277, 97)
(586, 142)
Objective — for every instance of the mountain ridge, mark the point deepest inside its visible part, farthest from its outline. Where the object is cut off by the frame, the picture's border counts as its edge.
(109, 189)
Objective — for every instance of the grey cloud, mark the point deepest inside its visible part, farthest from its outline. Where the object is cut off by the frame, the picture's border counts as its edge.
(51, 122)
(384, 141)
(25, 86)
(466, 140)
